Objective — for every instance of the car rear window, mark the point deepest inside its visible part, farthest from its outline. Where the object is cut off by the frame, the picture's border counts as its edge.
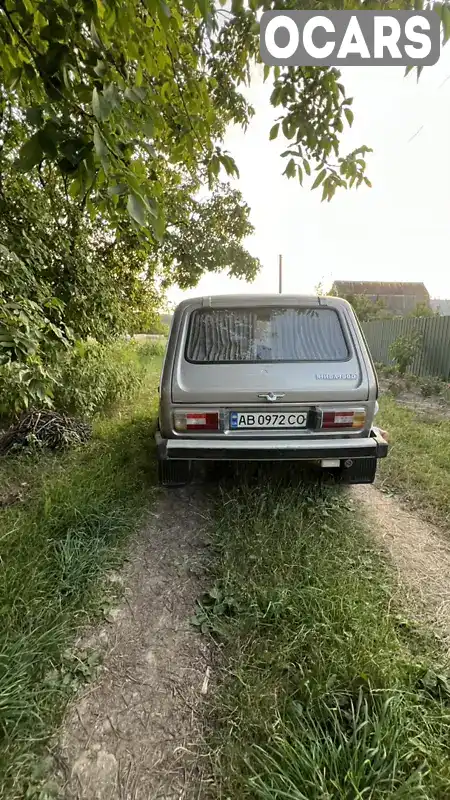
(246, 335)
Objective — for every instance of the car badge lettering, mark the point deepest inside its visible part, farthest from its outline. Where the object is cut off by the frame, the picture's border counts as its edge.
(325, 376)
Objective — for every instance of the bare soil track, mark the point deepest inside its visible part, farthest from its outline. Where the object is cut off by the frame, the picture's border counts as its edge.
(135, 733)
(420, 553)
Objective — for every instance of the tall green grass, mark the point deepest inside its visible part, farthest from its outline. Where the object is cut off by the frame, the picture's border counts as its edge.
(418, 464)
(326, 691)
(79, 510)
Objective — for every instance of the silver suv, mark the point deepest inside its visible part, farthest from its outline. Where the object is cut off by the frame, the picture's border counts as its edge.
(268, 378)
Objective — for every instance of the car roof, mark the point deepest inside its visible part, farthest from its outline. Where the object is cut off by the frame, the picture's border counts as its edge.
(259, 299)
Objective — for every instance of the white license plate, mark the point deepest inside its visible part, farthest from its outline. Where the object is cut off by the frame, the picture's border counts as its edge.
(264, 419)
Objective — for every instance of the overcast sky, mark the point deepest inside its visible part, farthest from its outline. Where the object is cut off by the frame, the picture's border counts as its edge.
(397, 231)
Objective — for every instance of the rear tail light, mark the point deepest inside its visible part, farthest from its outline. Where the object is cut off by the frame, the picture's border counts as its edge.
(195, 421)
(343, 419)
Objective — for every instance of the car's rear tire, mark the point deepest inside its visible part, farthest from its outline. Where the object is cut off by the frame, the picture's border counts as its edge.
(174, 472)
(362, 470)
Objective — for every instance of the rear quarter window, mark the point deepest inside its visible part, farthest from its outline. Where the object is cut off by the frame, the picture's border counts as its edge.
(252, 335)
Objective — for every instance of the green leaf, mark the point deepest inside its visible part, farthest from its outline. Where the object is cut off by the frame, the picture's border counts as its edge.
(47, 142)
(319, 178)
(290, 169)
(149, 128)
(136, 94)
(33, 116)
(326, 188)
(214, 166)
(349, 116)
(266, 72)
(367, 182)
(300, 174)
(111, 95)
(141, 92)
(150, 149)
(229, 164)
(136, 209)
(159, 228)
(165, 9)
(100, 69)
(96, 107)
(446, 23)
(14, 77)
(306, 167)
(95, 37)
(99, 143)
(152, 207)
(204, 7)
(288, 127)
(274, 131)
(30, 154)
(118, 190)
(68, 168)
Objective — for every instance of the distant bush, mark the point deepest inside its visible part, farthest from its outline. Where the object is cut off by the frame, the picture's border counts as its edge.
(423, 310)
(432, 386)
(92, 377)
(385, 369)
(395, 387)
(149, 349)
(404, 350)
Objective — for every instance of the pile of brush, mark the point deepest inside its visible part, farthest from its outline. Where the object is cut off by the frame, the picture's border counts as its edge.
(45, 429)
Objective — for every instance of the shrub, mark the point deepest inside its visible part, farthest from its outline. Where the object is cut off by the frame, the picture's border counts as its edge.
(24, 386)
(404, 350)
(411, 381)
(92, 377)
(86, 379)
(395, 387)
(431, 386)
(150, 349)
(385, 370)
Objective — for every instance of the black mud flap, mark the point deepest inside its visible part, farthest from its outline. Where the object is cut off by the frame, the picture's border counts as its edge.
(174, 472)
(358, 470)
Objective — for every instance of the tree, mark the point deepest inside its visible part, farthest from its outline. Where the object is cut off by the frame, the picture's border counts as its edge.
(423, 310)
(101, 276)
(67, 275)
(366, 310)
(114, 93)
(404, 350)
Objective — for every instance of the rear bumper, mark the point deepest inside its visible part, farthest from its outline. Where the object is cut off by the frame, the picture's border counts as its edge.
(373, 446)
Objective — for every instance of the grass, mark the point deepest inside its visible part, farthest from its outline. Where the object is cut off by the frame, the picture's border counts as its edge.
(55, 548)
(418, 464)
(326, 690)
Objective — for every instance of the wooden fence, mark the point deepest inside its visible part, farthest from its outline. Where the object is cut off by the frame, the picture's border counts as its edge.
(433, 358)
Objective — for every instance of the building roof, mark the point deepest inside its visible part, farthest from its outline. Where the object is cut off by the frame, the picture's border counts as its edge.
(381, 288)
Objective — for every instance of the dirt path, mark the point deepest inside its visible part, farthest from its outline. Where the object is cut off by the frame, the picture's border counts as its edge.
(420, 553)
(136, 732)
(132, 734)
